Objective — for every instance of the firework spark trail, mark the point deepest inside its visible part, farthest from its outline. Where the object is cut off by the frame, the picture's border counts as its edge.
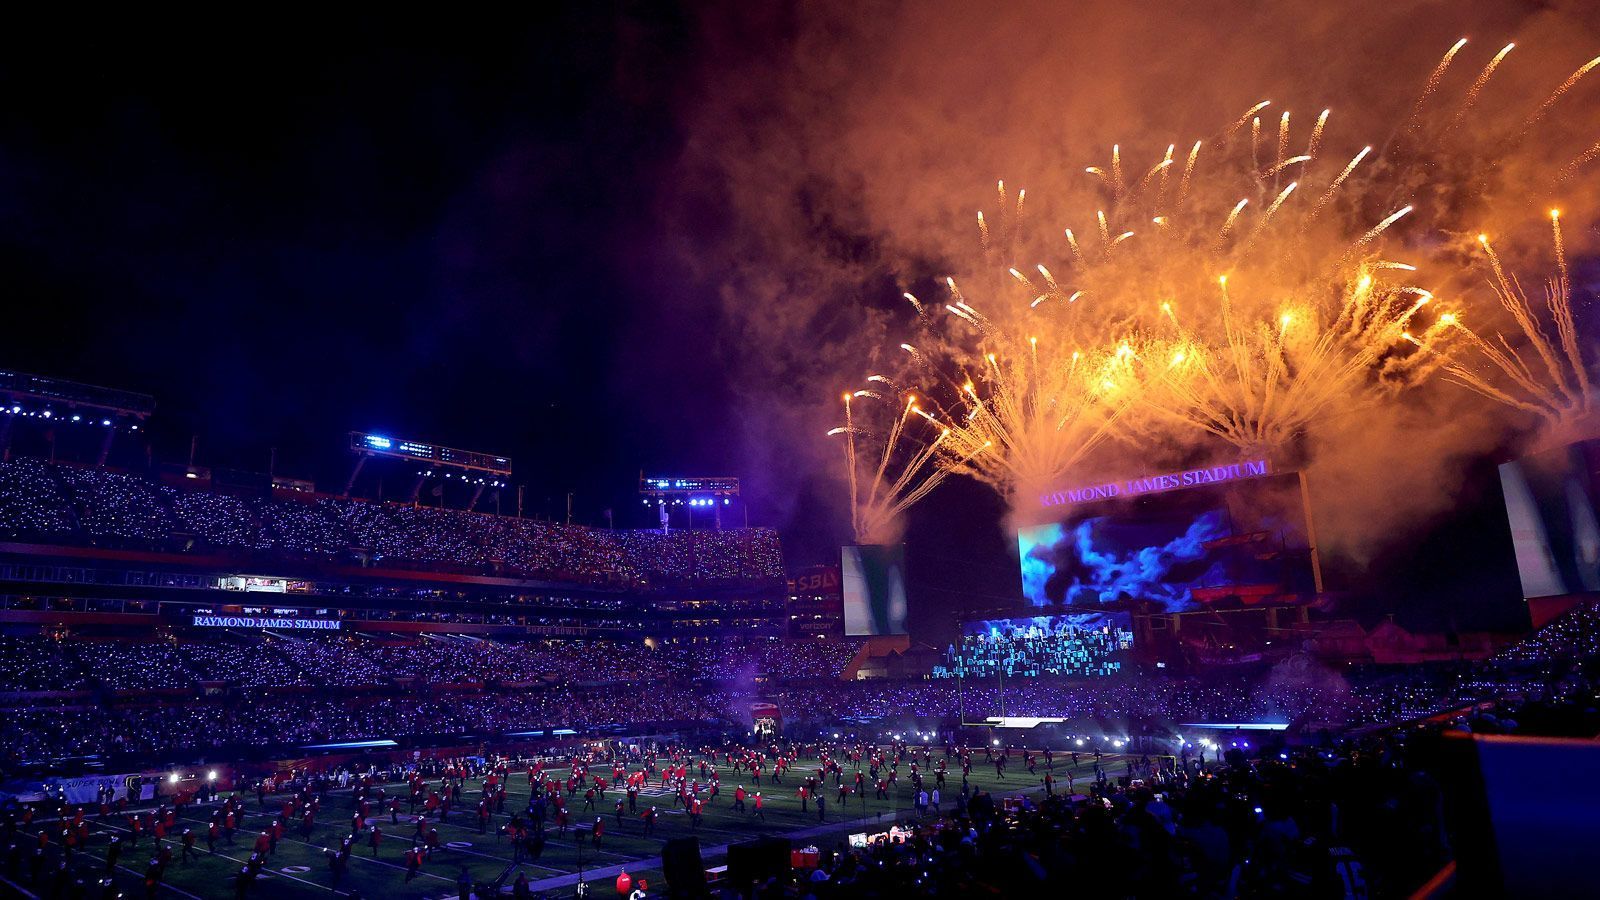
(1315, 143)
(1383, 226)
(1228, 133)
(1578, 162)
(1233, 216)
(1333, 186)
(1276, 204)
(1286, 163)
(1413, 120)
(1188, 170)
(1569, 84)
(1283, 145)
(1478, 85)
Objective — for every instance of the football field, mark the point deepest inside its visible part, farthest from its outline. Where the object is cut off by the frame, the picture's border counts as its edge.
(299, 868)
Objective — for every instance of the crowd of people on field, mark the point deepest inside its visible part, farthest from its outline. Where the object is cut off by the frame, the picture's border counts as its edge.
(1343, 818)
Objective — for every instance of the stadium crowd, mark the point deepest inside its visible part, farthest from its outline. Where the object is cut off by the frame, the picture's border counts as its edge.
(58, 502)
(267, 660)
(367, 690)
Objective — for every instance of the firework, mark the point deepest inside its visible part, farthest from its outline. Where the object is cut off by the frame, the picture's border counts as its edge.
(1243, 295)
(1259, 304)
(1544, 371)
(1247, 320)
(1027, 412)
(1267, 381)
(900, 471)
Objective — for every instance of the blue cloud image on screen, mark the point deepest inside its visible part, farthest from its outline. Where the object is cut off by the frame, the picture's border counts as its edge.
(1102, 560)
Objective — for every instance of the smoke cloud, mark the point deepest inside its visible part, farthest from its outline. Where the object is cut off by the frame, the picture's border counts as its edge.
(835, 155)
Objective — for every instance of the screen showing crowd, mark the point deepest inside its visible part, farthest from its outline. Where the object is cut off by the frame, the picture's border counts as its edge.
(1228, 545)
(1073, 645)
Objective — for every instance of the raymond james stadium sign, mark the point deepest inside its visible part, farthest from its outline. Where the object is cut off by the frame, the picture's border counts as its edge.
(1154, 484)
(265, 622)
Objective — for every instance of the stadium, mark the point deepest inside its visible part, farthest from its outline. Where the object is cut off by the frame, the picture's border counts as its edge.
(1242, 542)
(400, 695)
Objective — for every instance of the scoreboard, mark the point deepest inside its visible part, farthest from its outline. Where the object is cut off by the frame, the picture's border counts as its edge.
(432, 454)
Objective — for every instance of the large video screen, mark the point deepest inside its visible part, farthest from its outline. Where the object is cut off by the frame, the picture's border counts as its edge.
(1244, 543)
(874, 578)
(1077, 644)
(1551, 502)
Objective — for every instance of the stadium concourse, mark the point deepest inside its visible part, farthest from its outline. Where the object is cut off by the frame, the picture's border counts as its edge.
(305, 672)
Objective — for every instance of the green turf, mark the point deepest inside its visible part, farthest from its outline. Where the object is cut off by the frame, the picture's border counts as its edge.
(488, 854)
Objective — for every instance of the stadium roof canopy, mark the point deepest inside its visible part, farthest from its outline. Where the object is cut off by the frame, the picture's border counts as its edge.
(42, 394)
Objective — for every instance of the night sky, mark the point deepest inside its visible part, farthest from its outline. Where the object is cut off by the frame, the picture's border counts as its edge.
(445, 231)
(468, 231)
